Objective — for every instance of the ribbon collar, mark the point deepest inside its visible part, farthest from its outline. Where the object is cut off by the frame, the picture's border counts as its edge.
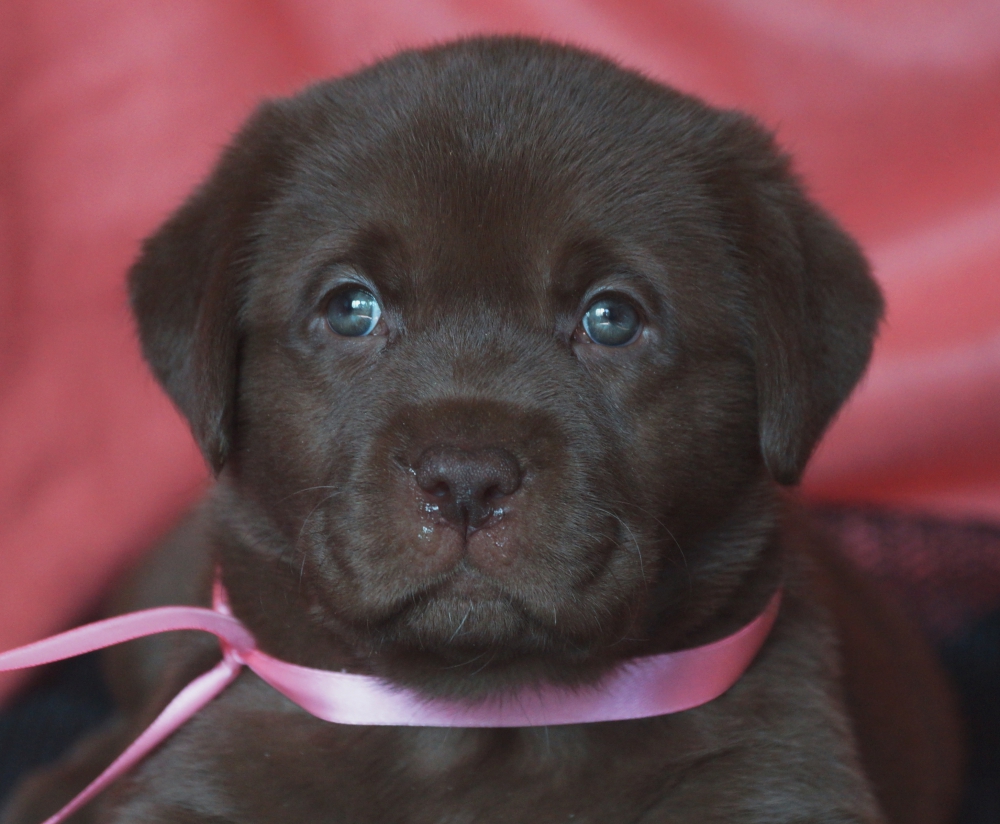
(640, 688)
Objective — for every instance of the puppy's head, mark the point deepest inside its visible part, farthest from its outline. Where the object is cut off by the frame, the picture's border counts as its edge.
(500, 352)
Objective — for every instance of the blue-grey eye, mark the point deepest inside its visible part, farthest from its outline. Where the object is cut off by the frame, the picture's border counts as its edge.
(353, 312)
(611, 321)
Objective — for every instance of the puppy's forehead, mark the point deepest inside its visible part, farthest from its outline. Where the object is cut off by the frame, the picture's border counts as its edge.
(477, 184)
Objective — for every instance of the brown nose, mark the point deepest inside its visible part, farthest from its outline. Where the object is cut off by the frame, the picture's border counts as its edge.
(467, 483)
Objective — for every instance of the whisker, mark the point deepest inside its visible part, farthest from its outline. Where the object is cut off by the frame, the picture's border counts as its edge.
(631, 535)
(465, 663)
(666, 529)
(298, 538)
(491, 659)
(301, 491)
(461, 624)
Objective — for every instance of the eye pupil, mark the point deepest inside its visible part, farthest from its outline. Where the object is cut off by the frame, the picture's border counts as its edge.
(611, 321)
(353, 312)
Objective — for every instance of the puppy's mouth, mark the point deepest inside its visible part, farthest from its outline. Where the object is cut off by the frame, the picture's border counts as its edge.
(465, 613)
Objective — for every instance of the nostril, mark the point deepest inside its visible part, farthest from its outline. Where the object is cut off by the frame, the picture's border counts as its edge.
(440, 490)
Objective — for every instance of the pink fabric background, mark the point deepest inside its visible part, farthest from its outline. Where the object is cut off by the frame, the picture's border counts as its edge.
(111, 110)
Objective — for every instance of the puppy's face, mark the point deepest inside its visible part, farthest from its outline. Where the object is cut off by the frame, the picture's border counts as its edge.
(486, 348)
(480, 386)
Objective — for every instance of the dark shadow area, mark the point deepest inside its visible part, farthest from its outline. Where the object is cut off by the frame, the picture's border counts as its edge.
(974, 662)
(69, 700)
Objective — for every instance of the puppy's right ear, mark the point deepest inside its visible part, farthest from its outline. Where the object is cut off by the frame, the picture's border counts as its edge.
(186, 286)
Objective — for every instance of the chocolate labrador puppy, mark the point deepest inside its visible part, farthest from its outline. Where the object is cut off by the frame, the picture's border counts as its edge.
(502, 356)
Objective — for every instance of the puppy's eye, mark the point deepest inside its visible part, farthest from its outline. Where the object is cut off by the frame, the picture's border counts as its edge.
(353, 312)
(611, 321)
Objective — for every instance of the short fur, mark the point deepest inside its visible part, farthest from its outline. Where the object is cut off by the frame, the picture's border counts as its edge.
(486, 190)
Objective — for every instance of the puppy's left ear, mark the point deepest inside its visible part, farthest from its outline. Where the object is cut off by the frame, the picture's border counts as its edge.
(816, 307)
(185, 287)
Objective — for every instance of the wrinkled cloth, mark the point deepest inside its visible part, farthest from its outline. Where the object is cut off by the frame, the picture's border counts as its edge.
(112, 110)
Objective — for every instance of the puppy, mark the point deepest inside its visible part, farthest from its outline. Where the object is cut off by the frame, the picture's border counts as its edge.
(502, 356)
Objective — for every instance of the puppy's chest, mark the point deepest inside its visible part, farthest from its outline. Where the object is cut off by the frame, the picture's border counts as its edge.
(280, 762)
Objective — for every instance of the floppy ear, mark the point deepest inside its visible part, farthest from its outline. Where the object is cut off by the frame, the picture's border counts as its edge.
(816, 308)
(185, 287)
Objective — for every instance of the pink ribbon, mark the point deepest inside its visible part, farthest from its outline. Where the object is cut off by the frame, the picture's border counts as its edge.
(640, 688)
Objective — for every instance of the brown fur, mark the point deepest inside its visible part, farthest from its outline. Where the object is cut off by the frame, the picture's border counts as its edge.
(487, 191)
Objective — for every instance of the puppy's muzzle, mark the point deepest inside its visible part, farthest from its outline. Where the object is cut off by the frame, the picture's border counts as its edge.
(468, 486)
